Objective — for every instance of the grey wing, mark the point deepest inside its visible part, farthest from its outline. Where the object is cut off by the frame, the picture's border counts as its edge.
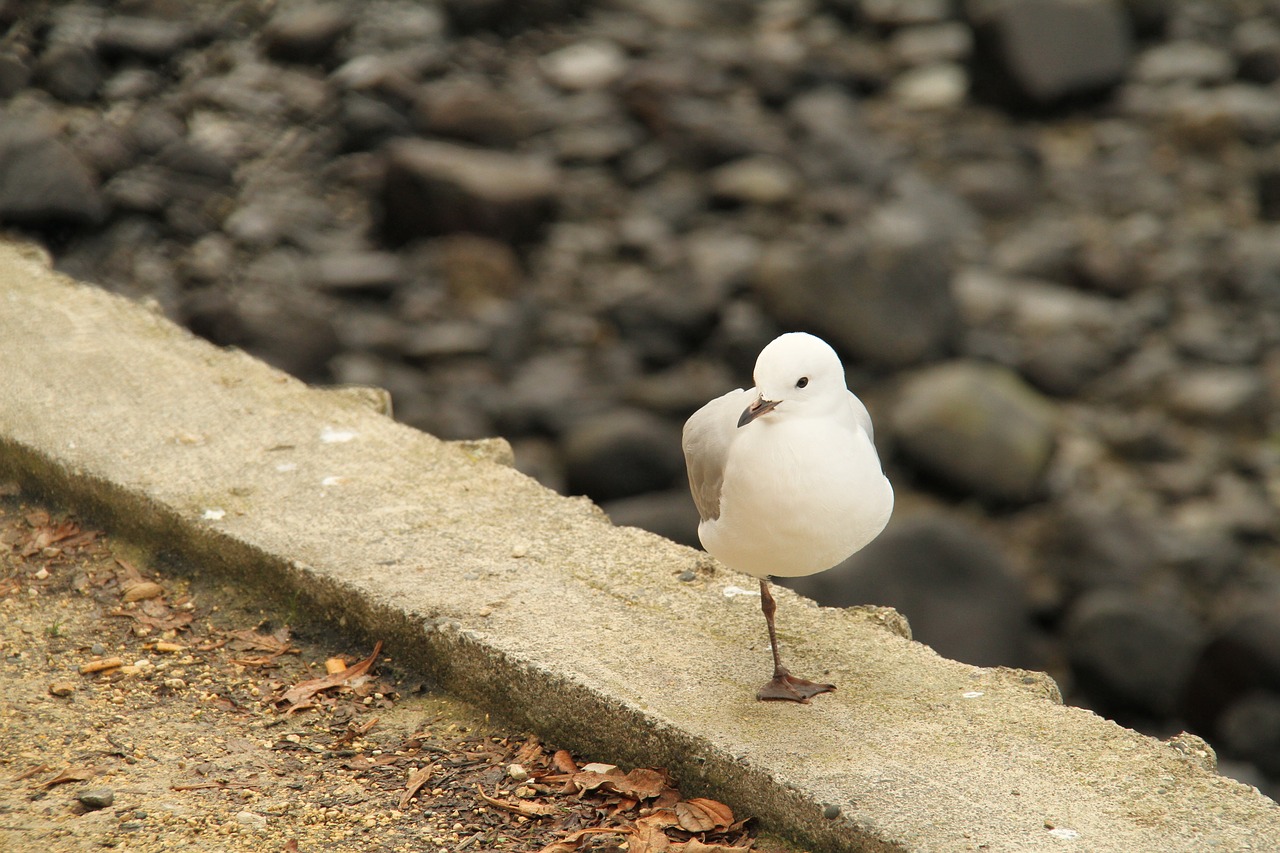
(706, 439)
(861, 415)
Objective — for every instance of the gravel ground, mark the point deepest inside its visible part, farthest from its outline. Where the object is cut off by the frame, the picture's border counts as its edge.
(144, 711)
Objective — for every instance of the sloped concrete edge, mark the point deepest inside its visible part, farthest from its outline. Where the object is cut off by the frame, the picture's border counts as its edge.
(542, 700)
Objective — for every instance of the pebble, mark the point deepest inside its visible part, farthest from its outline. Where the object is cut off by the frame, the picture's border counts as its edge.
(97, 798)
(62, 688)
(251, 820)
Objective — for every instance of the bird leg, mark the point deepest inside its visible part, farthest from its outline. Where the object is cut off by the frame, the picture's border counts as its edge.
(783, 686)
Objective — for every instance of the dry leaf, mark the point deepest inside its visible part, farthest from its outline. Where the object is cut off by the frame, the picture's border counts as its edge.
(71, 774)
(641, 784)
(141, 591)
(530, 752)
(696, 846)
(571, 843)
(564, 762)
(648, 836)
(417, 779)
(303, 691)
(703, 815)
(335, 665)
(520, 807)
(101, 665)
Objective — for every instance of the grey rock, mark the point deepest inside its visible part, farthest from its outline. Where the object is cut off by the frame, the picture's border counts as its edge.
(508, 17)
(951, 41)
(149, 39)
(668, 513)
(42, 182)
(1038, 53)
(368, 121)
(358, 272)
(97, 798)
(1132, 656)
(897, 13)
(15, 74)
(1256, 45)
(621, 453)
(1240, 660)
(1183, 62)
(1250, 730)
(306, 34)
(588, 64)
(433, 188)
(978, 427)
(882, 294)
(69, 72)
(997, 188)
(953, 584)
(473, 111)
(1088, 545)
(942, 85)
(1222, 395)
(838, 146)
(759, 180)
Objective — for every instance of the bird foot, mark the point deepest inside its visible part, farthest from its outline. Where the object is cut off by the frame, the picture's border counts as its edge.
(785, 687)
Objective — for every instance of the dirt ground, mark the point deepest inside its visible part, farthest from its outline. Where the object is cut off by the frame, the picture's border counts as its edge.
(145, 712)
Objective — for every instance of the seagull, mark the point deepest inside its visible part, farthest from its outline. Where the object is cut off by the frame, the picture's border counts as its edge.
(786, 478)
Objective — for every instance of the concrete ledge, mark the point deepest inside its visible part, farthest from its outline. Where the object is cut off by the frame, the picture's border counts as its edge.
(535, 606)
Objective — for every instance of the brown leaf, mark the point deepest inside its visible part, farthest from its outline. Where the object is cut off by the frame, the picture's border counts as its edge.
(564, 762)
(248, 639)
(703, 815)
(303, 691)
(101, 665)
(417, 779)
(530, 752)
(589, 780)
(696, 846)
(641, 784)
(648, 836)
(520, 807)
(34, 771)
(71, 774)
(141, 591)
(570, 843)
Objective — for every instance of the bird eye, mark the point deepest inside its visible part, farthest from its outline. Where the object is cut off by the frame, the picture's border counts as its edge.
(802, 381)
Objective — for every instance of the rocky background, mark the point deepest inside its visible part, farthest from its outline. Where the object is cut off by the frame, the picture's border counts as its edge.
(1044, 234)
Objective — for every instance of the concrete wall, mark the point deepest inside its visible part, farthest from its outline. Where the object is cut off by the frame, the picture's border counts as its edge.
(535, 606)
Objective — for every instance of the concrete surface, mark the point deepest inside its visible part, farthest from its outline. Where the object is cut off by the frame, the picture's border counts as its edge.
(535, 606)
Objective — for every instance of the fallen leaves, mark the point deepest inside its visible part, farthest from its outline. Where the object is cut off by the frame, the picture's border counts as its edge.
(300, 695)
(417, 779)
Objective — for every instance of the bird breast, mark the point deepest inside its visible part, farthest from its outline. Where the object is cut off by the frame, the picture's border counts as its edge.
(799, 496)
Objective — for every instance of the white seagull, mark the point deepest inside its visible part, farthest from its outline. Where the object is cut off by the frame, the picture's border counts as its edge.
(786, 478)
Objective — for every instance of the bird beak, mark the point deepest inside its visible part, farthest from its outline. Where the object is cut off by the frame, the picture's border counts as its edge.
(760, 407)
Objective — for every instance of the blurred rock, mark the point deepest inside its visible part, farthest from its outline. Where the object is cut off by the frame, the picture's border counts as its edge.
(306, 34)
(671, 514)
(1251, 731)
(1132, 655)
(1241, 660)
(882, 294)
(472, 111)
(1038, 53)
(590, 64)
(622, 453)
(42, 182)
(1183, 62)
(952, 583)
(147, 39)
(15, 74)
(1231, 396)
(69, 72)
(977, 427)
(433, 188)
(755, 180)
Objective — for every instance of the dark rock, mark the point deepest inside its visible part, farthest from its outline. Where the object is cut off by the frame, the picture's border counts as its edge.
(69, 72)
(882, 293)
(1267, 189)
(149, 39)
(1086, 546)
(1040, 53)
(1130, 655)
(838, 146)
(15, 74)
(978, 427)
(508, 17)
(433, 188)
(997, 188)
(472, 111)
(1257, 49)
(1240, 660)
(42, 182)
(1250, 730)
(97, 798)
(621, 453)
(369, 121)
(671, 514)
(953, 584)
(293, 336)
(307, 34)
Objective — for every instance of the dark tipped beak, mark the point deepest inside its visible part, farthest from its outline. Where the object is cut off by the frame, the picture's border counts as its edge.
(756, 409)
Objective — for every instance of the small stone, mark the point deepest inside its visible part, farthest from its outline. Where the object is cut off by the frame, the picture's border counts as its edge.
(251, 820)
(593, 64)
(687, 576)
(831, 812)
(142, 591)
(517, 772)
(98, 798)
(62, 688)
